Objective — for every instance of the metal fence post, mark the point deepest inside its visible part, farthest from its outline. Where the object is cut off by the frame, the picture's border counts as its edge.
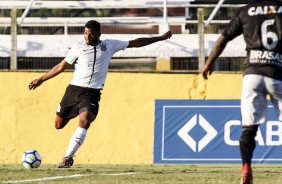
(66, 28)
(201, 33)
(13, 56)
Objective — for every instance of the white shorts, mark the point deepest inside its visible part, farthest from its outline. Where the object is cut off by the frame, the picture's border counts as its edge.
(254, 98)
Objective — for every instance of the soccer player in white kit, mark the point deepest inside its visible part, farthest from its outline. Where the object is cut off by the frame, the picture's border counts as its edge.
(260, 22)
(82, 96)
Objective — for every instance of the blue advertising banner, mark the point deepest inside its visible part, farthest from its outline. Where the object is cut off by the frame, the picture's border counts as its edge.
(208, 131)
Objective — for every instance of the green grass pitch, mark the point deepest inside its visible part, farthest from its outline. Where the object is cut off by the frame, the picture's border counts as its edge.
(139, 174)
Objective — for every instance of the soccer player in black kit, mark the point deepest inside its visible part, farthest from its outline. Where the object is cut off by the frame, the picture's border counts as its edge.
(260, 22)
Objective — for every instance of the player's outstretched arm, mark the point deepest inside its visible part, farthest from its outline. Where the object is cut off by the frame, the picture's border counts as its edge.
(52, 73)
(140, 42)
(216, 51)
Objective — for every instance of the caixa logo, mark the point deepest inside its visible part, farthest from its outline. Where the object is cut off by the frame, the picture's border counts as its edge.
(208, 131)
(185, 136)
(272, 135)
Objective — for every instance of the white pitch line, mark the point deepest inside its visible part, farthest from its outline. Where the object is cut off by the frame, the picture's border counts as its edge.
(47, 178)
(120, 174)
(71, 176)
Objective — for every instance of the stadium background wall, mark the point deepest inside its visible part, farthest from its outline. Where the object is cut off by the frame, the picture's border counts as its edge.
(123, 130)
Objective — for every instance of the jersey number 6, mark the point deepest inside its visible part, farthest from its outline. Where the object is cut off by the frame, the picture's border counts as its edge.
(269, 39)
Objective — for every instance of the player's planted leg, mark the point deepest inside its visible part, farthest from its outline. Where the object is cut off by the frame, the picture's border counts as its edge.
(85, 120)
(66, 162)
(247, 147)
(75, 142)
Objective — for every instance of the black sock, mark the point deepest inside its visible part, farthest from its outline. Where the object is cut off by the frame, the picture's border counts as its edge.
(247, 144)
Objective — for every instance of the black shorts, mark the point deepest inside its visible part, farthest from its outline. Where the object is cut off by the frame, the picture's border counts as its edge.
(77, 100)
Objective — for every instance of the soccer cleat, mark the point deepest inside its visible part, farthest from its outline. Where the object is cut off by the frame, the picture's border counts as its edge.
(66, 162)
(247, 178)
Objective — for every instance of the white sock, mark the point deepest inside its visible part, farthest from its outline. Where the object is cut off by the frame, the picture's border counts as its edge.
(76, 141)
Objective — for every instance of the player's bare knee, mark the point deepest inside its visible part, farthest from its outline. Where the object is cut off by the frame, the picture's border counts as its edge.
(58, 125)
(84, 123)
(85, 120)
(60, 122)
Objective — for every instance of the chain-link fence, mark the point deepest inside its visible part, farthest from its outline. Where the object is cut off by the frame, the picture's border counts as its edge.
(188, 26)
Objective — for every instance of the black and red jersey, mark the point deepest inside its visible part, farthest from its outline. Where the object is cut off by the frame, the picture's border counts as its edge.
(260, 22)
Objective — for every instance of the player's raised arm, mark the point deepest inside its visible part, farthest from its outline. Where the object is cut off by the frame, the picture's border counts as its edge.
(52, 73)
(140, 42)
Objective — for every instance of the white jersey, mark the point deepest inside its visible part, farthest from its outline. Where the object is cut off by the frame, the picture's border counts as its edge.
(92, 63)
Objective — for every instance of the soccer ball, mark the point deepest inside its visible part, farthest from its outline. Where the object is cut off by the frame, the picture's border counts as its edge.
(31, 159)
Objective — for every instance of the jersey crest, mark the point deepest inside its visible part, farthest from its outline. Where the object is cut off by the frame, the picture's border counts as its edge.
(103, 47)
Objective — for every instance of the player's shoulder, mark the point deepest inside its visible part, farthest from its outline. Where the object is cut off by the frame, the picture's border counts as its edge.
(115, 45)
(111, 41)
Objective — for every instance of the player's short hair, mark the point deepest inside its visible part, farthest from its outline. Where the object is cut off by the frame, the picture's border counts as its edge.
(93, 24)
